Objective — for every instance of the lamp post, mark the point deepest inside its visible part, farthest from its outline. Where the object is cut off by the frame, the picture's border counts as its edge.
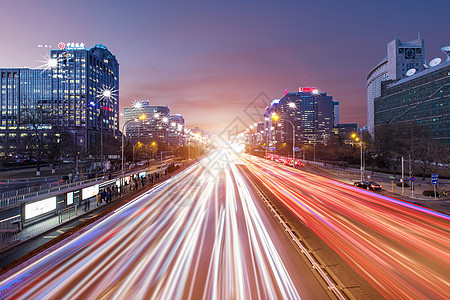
(357, 139)
(275, 117)
(123, 139)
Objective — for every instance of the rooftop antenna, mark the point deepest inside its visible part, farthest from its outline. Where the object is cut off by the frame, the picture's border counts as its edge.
(418, 36)
(446, 50)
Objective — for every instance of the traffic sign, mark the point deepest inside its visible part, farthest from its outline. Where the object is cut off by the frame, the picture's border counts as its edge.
(434, 178)
(272, 148)
(297, 149)
(391, 177)
(412, 179)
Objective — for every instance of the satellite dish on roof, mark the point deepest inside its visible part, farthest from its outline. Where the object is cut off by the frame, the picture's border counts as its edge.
(446, 50)
(435, 61)
(411, 72)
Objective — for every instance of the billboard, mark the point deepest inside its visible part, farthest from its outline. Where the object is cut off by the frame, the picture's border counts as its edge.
(69, 198)
(89, 192)
(39, 207)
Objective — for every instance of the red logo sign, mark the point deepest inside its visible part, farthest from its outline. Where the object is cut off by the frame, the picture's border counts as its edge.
(308, 89)
(62, 46)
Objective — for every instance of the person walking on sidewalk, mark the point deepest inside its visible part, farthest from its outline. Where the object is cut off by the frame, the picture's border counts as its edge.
(87, 203)
(99, 199)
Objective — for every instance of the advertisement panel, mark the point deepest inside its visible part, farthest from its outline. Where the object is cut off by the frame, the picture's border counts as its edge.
(142, 174)
(89, 192)
(39, 207)
(69, 198)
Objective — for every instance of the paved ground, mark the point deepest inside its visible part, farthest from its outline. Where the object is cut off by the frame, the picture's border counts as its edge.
(349, 176)
(201, 234)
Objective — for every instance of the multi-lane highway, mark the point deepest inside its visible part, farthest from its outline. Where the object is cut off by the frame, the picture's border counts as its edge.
(203, 234)
(400, 248)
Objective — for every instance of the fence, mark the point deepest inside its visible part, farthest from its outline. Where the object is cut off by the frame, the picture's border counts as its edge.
(10, 198)
(8, 231)
(66, 213)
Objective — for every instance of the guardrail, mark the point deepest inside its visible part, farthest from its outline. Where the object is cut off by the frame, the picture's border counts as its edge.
(9, 229)
(66, 213)
(15, 199)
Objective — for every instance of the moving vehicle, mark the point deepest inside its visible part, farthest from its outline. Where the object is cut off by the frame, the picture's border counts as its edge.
(369, 185)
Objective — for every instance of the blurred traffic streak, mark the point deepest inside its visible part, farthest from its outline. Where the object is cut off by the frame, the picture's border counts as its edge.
(402, 249)
(199, 235)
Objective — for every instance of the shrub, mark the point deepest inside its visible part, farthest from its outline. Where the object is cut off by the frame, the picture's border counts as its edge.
(430, 193)
(400, 184)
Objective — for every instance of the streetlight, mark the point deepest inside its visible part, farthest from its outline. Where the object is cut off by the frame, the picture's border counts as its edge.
(106, 93)
(357, 139)
(275, 117)
(123, 137)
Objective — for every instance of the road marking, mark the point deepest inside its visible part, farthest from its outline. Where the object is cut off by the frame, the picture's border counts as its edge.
(49, 236)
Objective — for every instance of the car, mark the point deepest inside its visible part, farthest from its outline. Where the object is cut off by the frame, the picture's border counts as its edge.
(369, 185)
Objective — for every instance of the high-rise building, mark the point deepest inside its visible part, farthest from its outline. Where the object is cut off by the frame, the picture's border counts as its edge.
(422, 99)
(85, 97)
(401, 57)
(310, 111)
(24, 93)
(153, 128)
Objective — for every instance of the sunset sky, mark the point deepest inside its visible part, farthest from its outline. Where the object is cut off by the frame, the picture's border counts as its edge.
(209, 59)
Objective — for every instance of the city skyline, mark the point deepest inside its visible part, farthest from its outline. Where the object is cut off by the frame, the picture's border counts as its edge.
(195, 58)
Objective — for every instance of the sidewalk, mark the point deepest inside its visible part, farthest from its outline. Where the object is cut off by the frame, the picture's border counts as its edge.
(351, 175)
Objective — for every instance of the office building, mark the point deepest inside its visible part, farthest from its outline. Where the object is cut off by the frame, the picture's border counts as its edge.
(175, 130)
(85, 97)
(24, 94)
(310, 111)
(153, 128)
(400, 58)
(422, 99)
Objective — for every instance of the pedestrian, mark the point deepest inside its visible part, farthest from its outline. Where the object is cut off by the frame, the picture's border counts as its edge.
(108, 195)
(87, 204)
(99, 199)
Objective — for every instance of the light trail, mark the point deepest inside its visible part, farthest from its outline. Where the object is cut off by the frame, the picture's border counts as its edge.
(200, 235)
(400, 248)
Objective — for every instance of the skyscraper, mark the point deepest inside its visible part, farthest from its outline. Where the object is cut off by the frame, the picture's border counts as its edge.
(312, 113)
(79, 101)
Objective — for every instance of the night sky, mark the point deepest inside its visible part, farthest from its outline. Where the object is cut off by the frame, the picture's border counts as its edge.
(209, 59)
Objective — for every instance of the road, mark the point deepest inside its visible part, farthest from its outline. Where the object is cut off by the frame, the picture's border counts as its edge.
(400, 248)
(203, 234)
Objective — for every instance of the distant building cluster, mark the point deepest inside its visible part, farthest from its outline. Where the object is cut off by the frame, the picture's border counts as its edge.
(156, 125)
(404, 89)
(312, 114)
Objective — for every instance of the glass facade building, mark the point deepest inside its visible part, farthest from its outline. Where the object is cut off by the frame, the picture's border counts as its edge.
(78, 82)
(313, 116)
(423, 98)
(400, 58)
(23, 91)
(153, 128)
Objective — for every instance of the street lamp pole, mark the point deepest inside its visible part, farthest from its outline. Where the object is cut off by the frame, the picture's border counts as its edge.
(123, 141)
(362, 167)
(293, 143)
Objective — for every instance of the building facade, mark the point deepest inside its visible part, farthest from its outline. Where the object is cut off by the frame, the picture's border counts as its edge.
(24, 92)
(79, 102)
(153, 128)
(401, 57)
(423, 99)
(175, 130)
(313, 114)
